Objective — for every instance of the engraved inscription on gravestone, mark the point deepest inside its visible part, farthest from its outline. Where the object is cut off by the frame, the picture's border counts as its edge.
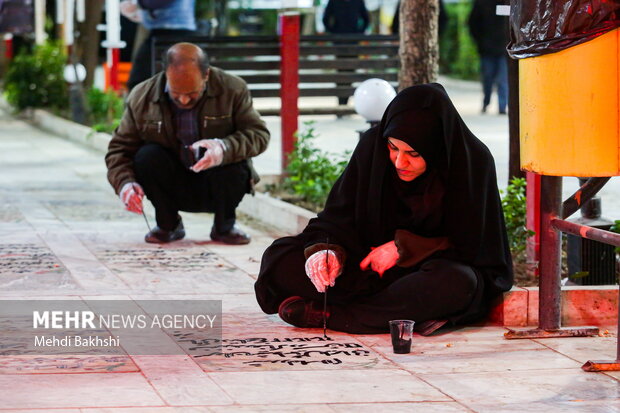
(276, 352)
(88, 210)
(162, 259)
(28, 259)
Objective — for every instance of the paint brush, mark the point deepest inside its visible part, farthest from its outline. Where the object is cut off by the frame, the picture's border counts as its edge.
(325, 293)
(146, 220)
(143, 214)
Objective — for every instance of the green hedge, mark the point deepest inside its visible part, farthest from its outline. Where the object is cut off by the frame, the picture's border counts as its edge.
(458, 56)
(36, 79)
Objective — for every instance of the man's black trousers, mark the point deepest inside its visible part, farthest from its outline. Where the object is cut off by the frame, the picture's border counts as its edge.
(171, 187)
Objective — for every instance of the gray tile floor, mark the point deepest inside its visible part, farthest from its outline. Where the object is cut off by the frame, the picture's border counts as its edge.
(64, 234)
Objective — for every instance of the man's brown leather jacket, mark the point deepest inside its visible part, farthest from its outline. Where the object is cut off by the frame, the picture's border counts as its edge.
(224, 112)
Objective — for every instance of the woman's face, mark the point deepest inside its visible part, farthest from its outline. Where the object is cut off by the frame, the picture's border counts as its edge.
(408, 163)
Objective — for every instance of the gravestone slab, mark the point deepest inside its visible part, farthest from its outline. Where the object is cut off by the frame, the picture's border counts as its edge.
(66, 364)
(271, 351)
(29, 266)
(163, 260)
(79, 210)
(28, 259)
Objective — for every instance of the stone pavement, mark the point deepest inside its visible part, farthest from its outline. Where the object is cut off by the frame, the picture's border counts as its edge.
(64, 235)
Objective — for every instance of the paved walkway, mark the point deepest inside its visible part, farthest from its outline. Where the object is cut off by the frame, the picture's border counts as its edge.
(64, 235)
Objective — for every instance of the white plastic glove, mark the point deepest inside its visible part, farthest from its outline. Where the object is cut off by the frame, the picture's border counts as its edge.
(212, 157)
(322, 268)
(131, 195)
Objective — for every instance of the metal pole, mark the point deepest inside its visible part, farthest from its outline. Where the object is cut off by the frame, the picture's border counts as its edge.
(588, 190)
(549, 311)
(584, 231)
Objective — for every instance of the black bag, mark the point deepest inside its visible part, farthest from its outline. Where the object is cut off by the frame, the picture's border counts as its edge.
(542, 26)
(16, 16)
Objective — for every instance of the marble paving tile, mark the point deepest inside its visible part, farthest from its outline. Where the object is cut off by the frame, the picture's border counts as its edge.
(45, 364)
(179, 381)
(264, 351)
(81, 263)
(214, 282)
(270, 408)
(614, 374)
(76, 390)
(231, 303)
(280, 387)
(257, 321)
(571, 406)
(87, 209)
(449, 344)
(583, 349)
(176, 409)
(547, 386)
(18, 233)
(447, 335)
(10, 213)
(32, 266)
(405, 407)
(40, 411)
(173, 258)
(489, 361)
(28, 259)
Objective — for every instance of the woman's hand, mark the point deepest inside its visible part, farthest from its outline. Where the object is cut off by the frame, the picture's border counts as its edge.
(322, 268)
(381, 258)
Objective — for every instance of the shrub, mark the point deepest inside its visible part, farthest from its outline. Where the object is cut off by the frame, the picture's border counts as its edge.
(616, 228)
(311, 173)
(36, 79)
(106, 109)
(458, 56)
(514, 206)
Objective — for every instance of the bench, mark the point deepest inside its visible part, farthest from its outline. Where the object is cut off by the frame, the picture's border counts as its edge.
(329, 65)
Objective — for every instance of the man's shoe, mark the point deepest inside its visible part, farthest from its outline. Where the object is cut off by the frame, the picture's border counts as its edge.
(302, 313)
(234, 237)
(161, 236)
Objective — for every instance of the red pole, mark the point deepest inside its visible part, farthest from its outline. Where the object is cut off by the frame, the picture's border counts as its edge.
(533, 217)
(8, 46)
(115, 55)
(289, 81)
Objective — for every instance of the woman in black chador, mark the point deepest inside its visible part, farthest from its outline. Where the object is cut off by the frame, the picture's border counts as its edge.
(413, 229)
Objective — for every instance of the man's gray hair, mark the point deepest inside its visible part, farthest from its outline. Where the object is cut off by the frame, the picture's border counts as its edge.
(175, 60)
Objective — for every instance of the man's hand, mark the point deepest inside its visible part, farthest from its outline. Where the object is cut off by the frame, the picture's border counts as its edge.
(212, 157)
(322, 268)
(381, 258)
(131, 195)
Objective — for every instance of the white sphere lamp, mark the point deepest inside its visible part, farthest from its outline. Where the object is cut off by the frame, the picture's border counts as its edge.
(70, 73)
(371, 97)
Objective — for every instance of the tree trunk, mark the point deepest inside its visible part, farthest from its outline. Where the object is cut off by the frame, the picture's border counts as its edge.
(419, 50)
(88, 42)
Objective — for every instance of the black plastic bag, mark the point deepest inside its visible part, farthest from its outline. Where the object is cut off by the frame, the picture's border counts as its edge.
(546, 26)
(16, 16)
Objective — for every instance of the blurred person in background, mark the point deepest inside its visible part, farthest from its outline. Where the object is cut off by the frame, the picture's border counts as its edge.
(160, 18)
(345, 17)
(490, 33)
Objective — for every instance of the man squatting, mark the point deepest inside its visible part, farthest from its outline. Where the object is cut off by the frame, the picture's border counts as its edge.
(157, 150)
